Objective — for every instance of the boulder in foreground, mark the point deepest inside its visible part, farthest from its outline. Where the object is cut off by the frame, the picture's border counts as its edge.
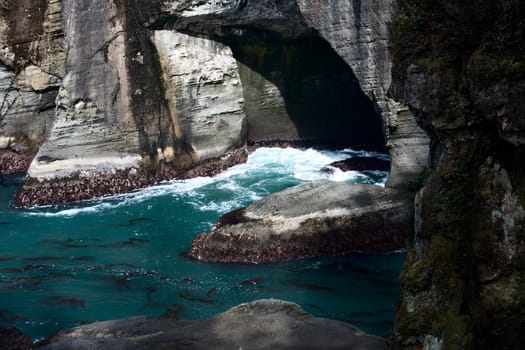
(263, 324)
(312, 219)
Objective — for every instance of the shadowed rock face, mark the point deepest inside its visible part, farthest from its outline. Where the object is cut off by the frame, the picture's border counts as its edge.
(32, 61)
(460, 67)
(12, 338)
(356, 30)
(302, 90)
(263, 324)
(312, 219)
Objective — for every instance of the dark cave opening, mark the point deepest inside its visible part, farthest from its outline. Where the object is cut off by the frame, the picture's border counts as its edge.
(302, 90)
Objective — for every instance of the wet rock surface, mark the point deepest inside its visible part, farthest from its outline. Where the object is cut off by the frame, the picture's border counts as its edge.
(15, 162)
(362, 163)
(85, 185)
(316, 218)
(356, 30)
(263, 324)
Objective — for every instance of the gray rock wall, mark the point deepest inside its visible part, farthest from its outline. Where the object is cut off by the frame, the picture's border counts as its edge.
(204, 92)
(105, 118)
(356, 30)
(32, 59)
(127, 98)
(460, 67)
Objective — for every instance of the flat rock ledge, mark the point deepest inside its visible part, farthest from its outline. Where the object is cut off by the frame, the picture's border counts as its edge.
(91, 184)
(311, 219)
(262, 324)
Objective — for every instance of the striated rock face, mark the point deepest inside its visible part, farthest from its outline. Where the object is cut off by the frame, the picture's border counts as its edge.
(356, 30)
(321, 217)
(263, 324)
(460, 67)
(111, 108)
(132, 111)
(204, 92)
(130, 97)
(32, 59)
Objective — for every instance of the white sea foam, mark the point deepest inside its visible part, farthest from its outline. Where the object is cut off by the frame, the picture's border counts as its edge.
(238, 185)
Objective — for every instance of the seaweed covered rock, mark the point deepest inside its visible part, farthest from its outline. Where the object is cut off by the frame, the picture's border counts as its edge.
(312, 219)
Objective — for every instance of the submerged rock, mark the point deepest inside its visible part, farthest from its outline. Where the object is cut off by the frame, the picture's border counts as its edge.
(263, 324)
(11, 338)
(311, 219)
(362, 163)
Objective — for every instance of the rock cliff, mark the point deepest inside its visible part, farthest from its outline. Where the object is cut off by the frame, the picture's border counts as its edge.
(107, 92)
(460, 67)
(356, 30)
(32, 65)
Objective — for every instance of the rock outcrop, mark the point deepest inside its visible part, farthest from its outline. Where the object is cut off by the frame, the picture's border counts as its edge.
(316, 218)
(32, 61)
(356, 30)
(460, 67)
(132, 111)
(362, 163)
(204, 92)
(104, 88)
(263, 324)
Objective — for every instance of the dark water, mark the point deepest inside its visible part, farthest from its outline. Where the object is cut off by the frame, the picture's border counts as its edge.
(122, 256)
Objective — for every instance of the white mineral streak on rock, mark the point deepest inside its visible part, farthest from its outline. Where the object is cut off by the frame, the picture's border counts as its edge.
(507, 212)
(204, 92)
(432, 343)
(66, 167)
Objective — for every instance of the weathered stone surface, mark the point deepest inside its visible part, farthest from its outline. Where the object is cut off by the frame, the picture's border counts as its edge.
(32, 59)
(94, 127)
(204, 91)
(114, 112)
(356, 30)
(233, 19)
(460, 67)
(263, 324)
(321, 217)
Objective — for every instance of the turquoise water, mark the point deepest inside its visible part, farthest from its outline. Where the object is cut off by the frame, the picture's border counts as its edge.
(110, 258)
